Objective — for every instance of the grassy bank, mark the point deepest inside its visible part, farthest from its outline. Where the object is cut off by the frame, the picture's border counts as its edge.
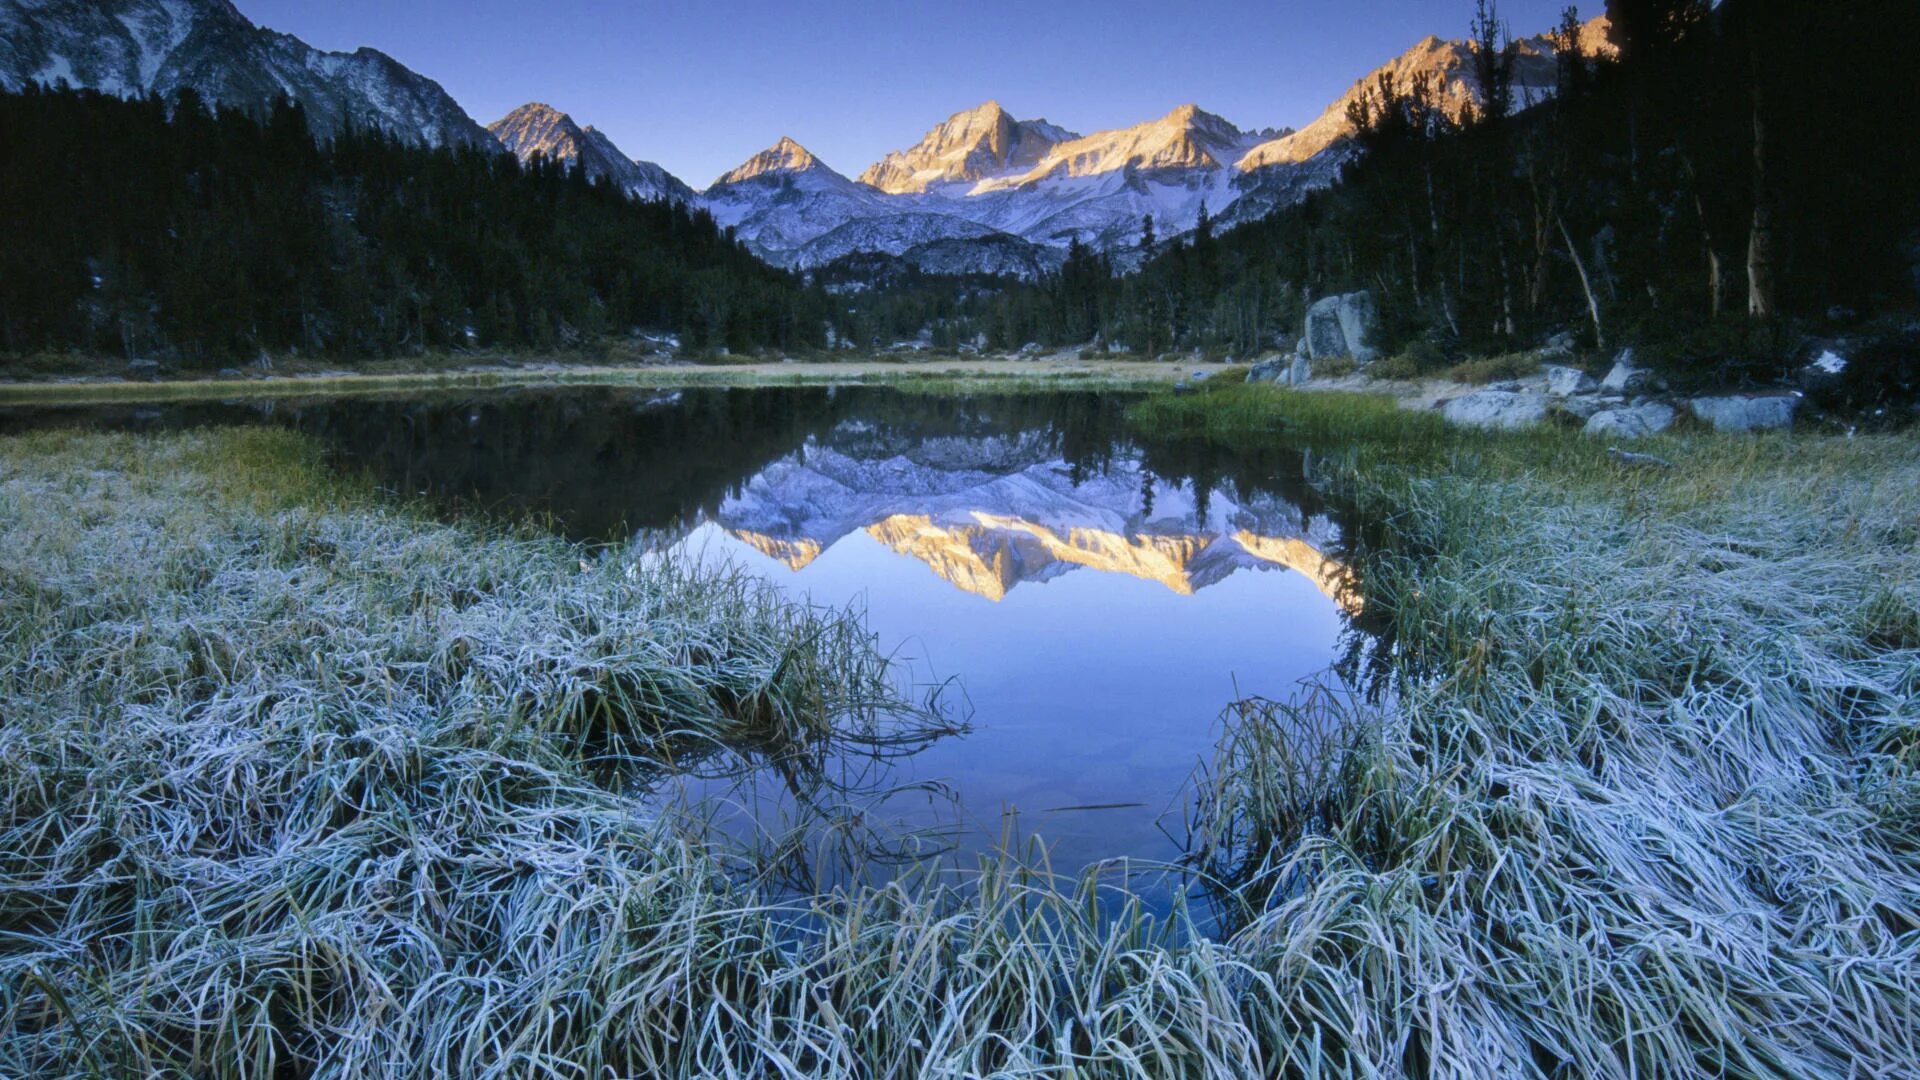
(297, 781)
(1646, 802)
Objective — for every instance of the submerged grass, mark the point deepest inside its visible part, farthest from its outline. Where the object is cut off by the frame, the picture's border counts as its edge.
(300, 784)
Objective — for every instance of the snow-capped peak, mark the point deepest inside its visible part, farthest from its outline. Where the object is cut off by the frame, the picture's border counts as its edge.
(785, 156)
(969, 146)
(1186, 138)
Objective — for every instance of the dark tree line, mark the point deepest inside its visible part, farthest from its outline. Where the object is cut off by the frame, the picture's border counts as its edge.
(1707, 184)
(163, 228)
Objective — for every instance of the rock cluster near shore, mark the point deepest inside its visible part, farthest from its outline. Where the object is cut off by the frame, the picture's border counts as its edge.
(1629, 402)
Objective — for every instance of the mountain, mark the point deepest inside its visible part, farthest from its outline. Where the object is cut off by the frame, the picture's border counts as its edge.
(971, 146)
(1449, 65)
(535, 128)
(783, 197)
(137, 47)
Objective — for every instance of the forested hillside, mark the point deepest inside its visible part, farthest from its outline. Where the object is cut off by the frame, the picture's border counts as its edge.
(1737, 176)
(163, 229)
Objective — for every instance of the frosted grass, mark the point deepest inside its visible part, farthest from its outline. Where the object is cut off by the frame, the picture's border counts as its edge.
(300, 784)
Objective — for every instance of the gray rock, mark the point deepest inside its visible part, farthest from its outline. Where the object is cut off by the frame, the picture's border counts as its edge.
(1563, 381)
(1269, 370)
(1626, 375)
(1342, 326)
(232, 373)
(1740, 413)
(1201, 376)
(143, 368)
(1284, 370)
(1632, 422)
(1560, 344)
(1497, 409)
(1586, 406)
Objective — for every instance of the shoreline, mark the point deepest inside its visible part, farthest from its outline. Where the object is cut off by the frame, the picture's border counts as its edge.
(1053, 369)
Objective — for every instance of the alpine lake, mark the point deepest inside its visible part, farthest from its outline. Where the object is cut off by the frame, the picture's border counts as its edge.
(1075, 601)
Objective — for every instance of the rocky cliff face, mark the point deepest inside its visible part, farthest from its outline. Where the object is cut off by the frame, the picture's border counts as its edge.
(136, 47)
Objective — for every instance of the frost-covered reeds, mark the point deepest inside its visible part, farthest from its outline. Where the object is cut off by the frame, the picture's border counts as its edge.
(299, 784)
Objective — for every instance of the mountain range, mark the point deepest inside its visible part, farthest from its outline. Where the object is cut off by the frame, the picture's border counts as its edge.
(981, 192)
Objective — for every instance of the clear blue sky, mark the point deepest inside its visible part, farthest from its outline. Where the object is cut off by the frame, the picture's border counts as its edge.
(700, 85)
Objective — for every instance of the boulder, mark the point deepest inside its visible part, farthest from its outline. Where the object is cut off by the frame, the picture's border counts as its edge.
(1563, 381)
(1626, 375)
(1559, 345)
(1742, 413)
(1632, 422)
(1342, 327)
(1497, 409)
(1585, 406)
(143, 369)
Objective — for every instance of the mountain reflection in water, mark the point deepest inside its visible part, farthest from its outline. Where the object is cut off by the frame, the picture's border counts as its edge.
(1090, 596)
(990, 514)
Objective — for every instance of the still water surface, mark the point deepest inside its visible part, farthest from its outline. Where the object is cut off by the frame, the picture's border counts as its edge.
(1090, 599)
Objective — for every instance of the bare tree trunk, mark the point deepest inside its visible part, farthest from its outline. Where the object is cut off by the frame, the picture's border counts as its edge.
(1716, 277)
(1446, 307)
(1542, 246)
(1505, 324)
(1586, 285)
(1760, 279)
(1433, 207)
